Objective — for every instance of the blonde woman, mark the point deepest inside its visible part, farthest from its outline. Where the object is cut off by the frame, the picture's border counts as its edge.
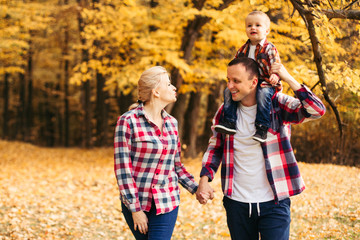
(147, 159)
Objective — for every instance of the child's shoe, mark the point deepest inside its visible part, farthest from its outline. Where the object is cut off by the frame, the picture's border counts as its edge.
(226, 127)
(260, 134)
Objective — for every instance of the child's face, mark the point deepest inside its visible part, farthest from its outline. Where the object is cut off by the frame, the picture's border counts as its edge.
(257, 28)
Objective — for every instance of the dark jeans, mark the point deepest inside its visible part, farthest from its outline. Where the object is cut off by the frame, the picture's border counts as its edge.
(272, 224)
(263, 98)
(161, 226)
(230, 108)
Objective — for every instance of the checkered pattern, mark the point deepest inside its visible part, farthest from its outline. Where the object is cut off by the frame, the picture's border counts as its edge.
(265, 55)
(281, 167)
(147, 164)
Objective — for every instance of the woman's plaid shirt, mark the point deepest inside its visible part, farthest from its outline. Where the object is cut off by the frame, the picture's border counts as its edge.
(281, 166)
(147, 164)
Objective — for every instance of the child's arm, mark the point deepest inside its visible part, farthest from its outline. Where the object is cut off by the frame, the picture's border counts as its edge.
(274, 57)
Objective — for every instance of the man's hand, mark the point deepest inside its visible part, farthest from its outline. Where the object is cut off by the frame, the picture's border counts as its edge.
(205, 191)
(140, 221)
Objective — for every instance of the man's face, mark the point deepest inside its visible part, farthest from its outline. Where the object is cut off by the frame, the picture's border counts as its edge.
(257, 28)
(242, 88)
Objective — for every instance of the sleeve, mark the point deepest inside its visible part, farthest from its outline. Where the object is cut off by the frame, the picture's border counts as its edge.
(214, 153)
(129, 194)
(307, 106)
(273, 57)
(185, 178)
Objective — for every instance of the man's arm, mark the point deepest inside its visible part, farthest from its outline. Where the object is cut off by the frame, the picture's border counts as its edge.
(307, 106)
(279, 69)
(211, 162)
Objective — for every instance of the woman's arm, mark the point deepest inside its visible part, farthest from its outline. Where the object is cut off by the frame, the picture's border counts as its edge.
(123, 166)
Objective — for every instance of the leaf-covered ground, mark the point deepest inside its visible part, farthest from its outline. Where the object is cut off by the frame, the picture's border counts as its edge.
(72, 194)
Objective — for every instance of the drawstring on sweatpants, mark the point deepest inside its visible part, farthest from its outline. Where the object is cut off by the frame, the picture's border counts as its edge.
(258, 209)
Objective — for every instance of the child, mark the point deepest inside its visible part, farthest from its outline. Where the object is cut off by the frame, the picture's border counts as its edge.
(264, 53)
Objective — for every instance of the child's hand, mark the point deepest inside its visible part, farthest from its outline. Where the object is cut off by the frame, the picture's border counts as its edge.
(274, 79)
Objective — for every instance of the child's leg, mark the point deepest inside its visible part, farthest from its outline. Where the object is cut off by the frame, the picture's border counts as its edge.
(230, 107)
(262, 121)
(227, 122)
(263, 98)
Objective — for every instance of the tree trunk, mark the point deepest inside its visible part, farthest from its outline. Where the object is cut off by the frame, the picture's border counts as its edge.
(6, 107)
(191, 34)
(179, 110)
(29, 88)
(124, 102)
(101, 111)
(191, 123)
(86, 86)
(213, 103)
(66, 85)
(49, 116)
(22, 107)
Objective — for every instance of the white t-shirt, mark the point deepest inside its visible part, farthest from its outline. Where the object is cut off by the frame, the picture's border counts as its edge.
(253, 48)
(250, 183)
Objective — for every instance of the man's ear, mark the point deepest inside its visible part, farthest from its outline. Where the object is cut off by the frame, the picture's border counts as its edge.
(255, 81)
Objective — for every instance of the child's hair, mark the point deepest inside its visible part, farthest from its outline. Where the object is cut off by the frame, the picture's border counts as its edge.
(266, 17)
(148, 80)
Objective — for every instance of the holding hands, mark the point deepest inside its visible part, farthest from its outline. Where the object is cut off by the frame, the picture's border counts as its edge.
(205, 191)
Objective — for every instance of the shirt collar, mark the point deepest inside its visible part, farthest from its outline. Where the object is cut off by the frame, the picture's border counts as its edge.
(262, 42)
(140, 111)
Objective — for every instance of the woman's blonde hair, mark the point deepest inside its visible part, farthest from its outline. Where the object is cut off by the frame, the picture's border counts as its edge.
(148, 80)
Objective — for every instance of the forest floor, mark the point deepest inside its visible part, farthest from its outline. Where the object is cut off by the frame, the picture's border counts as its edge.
(59, 193)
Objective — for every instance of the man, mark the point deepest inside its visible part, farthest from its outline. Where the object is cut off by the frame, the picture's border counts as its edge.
(258, 178)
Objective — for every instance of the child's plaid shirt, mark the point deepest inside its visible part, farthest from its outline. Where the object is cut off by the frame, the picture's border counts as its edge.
(147, 164)
(281, 166)
(265, 55)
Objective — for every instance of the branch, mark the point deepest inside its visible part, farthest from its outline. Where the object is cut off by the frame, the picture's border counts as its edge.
(308, 18)
(343, 14)
(348, 6)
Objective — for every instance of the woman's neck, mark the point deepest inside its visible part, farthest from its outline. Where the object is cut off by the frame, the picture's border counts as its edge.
(153, 112)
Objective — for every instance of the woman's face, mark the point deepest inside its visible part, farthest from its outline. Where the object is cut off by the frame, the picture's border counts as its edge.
(167, 91)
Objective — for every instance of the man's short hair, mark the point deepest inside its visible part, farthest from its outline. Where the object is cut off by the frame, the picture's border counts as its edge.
(250, 65)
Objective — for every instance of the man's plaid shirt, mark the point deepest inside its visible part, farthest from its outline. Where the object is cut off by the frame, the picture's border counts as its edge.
(147, 164)
(280, 163)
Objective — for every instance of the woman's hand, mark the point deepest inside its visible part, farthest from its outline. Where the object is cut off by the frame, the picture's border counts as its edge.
(205, 191)
(140, 221)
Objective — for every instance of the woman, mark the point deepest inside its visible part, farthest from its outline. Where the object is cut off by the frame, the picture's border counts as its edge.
(147, 159)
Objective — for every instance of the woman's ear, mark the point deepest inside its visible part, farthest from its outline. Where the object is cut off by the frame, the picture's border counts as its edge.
(155, 93)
